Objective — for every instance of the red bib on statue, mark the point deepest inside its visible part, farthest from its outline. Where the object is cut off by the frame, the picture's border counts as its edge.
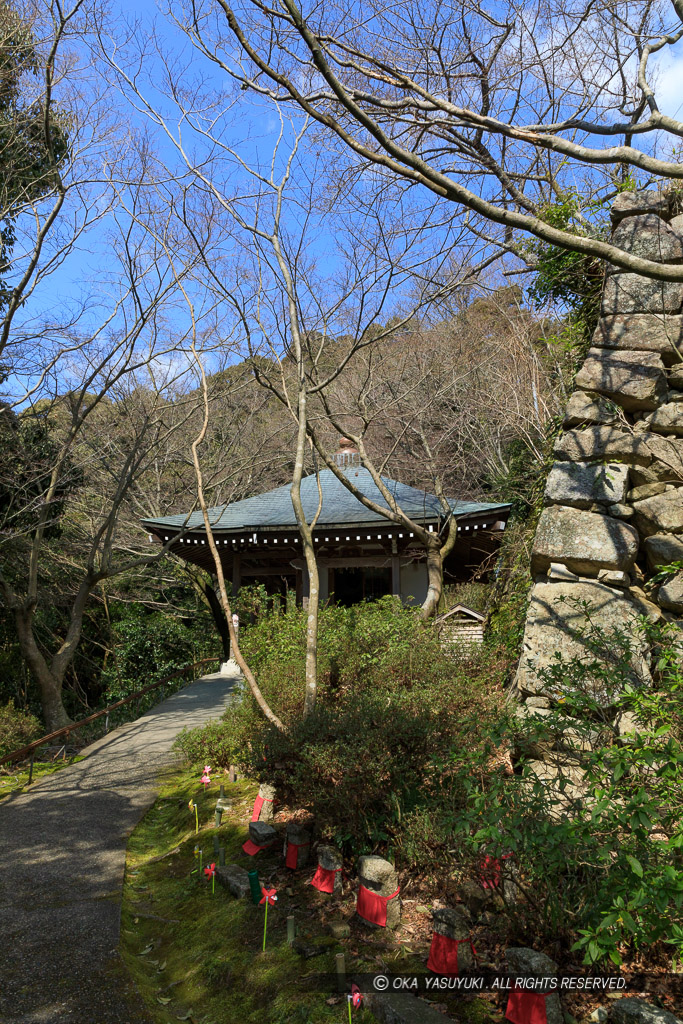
(293, 854)
(251, 848)
(443, 954)
(526, 1007)
(258, 804)
(323, 879)
(372, 907)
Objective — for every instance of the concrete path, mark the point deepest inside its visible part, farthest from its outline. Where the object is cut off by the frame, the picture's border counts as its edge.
(62, 858)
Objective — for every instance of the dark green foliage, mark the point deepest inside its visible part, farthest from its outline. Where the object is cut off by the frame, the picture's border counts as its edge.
(562, 275)
(519, 481)
(17, 728)
(147, 645)
(609, 878)
(28, 453)
(116, 656)
(407, 755)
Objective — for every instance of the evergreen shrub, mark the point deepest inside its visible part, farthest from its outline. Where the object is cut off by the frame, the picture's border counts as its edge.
(391, 705)
(17, 728)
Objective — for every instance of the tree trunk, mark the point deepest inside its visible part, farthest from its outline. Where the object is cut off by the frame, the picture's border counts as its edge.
(50, 687)
(306, 532)
(312, 614)
(219, 618)
(54, 712)
(435, 579)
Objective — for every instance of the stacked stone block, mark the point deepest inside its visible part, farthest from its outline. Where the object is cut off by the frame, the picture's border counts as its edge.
(614, 496)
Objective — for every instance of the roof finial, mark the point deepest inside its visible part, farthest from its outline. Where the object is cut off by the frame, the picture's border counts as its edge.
(348, 453)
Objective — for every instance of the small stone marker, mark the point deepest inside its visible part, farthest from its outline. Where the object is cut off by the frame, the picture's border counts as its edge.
(222, 805)
(637, 1011)
(378, 901)
(234, 878)
(328, 876)
(297, 846)
(339, 929)
(262, 834)
(261, 837)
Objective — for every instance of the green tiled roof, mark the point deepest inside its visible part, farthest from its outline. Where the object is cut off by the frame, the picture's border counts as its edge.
(274, 508)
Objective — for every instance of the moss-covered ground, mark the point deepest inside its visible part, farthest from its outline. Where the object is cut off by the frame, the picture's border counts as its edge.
(198, 956)
(15, 780)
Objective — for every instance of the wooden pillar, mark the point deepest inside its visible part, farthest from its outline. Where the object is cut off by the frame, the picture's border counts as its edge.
(236, 573)
(305, 588)
(395, 575)
(323, 573)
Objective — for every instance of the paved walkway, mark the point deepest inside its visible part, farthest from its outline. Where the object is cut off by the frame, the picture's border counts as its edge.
(62, 858)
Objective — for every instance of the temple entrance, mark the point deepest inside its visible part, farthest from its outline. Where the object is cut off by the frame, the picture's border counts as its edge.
(349, 586)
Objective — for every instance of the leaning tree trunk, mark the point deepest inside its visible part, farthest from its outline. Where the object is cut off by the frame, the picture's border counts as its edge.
(434, 578)
(49, 685)
(219, 618)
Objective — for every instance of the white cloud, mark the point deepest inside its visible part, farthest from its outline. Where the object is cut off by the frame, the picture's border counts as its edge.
(667, 81)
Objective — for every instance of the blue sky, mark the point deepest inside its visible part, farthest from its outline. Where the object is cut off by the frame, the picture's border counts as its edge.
(251, 127)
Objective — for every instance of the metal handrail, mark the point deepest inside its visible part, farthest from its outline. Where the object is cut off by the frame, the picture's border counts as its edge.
(18, 755)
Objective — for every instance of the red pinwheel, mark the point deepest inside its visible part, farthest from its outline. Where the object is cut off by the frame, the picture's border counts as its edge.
(354, 1000)
(268, 897)
(210, 872)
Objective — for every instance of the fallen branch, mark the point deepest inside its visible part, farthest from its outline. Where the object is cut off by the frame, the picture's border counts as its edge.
(155, 917)
(161, 856)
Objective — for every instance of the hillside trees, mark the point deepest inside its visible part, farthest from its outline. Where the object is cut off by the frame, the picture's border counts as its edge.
(310, 323)
(441, 403)
(59, 536)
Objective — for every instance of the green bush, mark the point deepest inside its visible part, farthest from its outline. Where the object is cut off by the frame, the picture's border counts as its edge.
(609, 877)
(390, 703)
(17, 728)
(406, 756)
(148, 645)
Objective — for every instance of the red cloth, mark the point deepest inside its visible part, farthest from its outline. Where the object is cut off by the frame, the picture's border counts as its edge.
(258, 804)
(527, 1007)
(490, 871)
(323, 879)
(373, 907)
(252, 849)
(443, 954)
(293, 853)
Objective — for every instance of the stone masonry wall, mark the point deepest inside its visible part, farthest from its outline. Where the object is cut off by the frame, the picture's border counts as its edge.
(614, 497)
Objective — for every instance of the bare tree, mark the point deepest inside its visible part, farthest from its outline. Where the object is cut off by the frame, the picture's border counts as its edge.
(253, 216)
(71, 462)
(498, 108)
(88, 372)
(447, 398)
